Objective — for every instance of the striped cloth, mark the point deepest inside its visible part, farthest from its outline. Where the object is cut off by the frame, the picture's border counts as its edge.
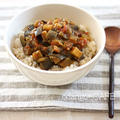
(89, 93)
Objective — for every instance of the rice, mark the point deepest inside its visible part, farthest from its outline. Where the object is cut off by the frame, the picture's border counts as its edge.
(88, 53)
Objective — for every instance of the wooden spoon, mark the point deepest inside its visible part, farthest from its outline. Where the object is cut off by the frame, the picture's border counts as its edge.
(112, 46)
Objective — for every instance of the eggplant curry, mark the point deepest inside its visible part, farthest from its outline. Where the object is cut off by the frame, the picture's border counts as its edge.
(54, 42)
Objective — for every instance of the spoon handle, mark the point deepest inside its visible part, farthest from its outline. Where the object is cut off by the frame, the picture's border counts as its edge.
(111, 87)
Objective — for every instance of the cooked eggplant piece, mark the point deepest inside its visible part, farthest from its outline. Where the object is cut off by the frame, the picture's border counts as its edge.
(22, 40)
(50, 50)
(46, 44)
(38, 34)
(54, 59)
(26, 33)
(27, 50)
(66, 62)
(65, 36)
(46, 64)
(38, 31)
(39, 38)
(30, 27)
(51, 34)
(45, 22)
(42, 59)
(44, 50)
(66, 53)
(82, 57)
(62, 57)
(36, 55)
(76, 52)
(75, 27)
(32, 43)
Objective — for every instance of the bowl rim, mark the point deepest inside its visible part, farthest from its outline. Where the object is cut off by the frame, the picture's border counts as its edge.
(99, 52)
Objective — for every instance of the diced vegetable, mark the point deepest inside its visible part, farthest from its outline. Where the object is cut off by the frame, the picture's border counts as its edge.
(62, 57)
(66, 62)
(79, 35)
(42, 59)
(23, 41)
(76, 52)
(38, 35)
(44, 50)
(28, 30)
(45, 22)
(58, 26)
(73, 39)
(47, 27)
(64, 30)
(56, 49)
(38, 31)
(46, 44)
(36, 55)
(39, 38)
(29, 27)
(72, 23)
(82, 42)
(68, 45)
(27, 50)
(56, 42)
(56, 20)
(75, 27)
(49, 22)
(63, 35)
(46, 64)
(37, 23)
(55, 59)
(44, 35)
(26, 33)
(50, 50)
(51, 34)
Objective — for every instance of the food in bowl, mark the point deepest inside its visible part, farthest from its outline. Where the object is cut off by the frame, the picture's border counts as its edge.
(57, 44)
(48, 77)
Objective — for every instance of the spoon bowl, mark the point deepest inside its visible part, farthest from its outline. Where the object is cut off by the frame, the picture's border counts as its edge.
(112, 39)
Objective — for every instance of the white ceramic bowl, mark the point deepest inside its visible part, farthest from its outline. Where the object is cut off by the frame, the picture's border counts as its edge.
(47, 11)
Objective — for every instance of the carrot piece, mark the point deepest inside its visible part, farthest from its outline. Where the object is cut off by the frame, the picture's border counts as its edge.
(64, 30)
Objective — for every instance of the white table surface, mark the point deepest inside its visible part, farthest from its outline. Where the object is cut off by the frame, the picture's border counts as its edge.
(59, 115)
